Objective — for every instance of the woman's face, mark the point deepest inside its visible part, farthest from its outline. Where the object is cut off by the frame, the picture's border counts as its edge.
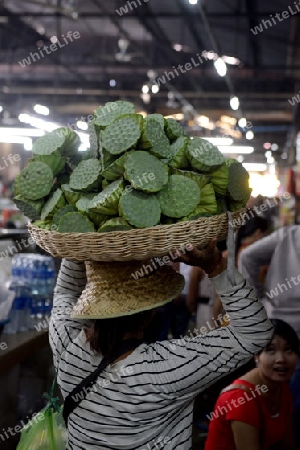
(278, 361)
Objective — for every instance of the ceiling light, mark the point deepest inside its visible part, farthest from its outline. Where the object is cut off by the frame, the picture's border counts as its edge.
(1, 108)
(274, 147)
(145, 89)
(155, 89)
(267, 145)
(242, 122)
(193, 2)
(40, 29)
(178, 47)
(220, 141)
(231, 60)
(82, 125)
(242, 150)
(240, 158)
(221, 67)
(209, 55)
(53, 39)
(41, 109)
(17, 140)
(112, 83)
(268, 154)
(28, 145)
(249, 135)
(234, 103)
(146, 98)
(151, 74)
(30, 132)
(255, 167)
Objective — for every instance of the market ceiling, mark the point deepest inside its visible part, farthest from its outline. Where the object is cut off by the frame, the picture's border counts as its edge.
(107, 50)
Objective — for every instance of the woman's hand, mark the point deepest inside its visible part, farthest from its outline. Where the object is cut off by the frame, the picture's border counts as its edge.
(209, 259)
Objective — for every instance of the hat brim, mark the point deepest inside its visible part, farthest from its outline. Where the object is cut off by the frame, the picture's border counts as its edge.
(120, 289)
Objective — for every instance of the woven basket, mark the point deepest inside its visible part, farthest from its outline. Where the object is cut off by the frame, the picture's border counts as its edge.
(137, 244)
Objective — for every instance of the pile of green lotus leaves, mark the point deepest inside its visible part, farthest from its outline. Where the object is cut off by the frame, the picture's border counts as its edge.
(138, 173)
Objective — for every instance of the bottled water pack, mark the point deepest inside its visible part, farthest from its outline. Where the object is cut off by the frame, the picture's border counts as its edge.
(32, 279)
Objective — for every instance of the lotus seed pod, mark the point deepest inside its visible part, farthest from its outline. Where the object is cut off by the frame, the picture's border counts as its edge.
(219, 178)
(122, 134)
(35, 181)
(16, 189)
(178, 150)
(107, 202)
(158, 117)
(116, 224)
(86, 176)
(179, 197)
(94, 141)
(55, 161)
(154, 139)
(84, 202)
(61, 140)
(75, 222)
(203, 156)
(108, 113)
(57, 216)
(31, 209)
(145, 172)
(71, 196)
(173, 129)
(238, 182)
(53, 204)
(116, 170)
(139, 209)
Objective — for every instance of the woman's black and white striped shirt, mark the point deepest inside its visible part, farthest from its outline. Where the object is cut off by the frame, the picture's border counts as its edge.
(145, 401)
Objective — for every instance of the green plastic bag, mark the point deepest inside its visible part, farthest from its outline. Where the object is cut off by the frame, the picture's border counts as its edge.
(47, 430)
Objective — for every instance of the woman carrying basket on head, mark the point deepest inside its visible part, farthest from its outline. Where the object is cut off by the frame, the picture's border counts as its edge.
(143, 398)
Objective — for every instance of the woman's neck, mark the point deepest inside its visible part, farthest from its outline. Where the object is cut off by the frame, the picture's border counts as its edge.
(256, 377)
(273, 386)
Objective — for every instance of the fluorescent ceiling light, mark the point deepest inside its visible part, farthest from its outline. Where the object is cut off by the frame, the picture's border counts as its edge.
(221, 67)
(242, 122)
(26, 141)
(249, 135)
(255, 167)
(30, 132)
(234, 103)
(231, 60)
(145, 89)
(1, 108)
(193, 2)
(219, 140)
(155, 89)
(41, 109)
(242, 150)
(38, 123)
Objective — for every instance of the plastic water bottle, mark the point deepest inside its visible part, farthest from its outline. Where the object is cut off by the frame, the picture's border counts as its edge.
(32, 279)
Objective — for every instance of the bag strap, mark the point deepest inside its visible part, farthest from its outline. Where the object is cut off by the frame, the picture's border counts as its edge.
(79, 393)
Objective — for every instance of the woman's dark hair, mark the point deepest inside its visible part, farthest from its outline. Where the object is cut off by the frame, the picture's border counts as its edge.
(104, 335)
(249, 228)
(287, 332)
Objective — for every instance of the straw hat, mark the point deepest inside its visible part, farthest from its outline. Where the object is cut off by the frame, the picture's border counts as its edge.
(117, 289)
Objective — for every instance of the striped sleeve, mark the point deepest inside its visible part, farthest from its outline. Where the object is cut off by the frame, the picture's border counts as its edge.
(62, 329)
(196, 362)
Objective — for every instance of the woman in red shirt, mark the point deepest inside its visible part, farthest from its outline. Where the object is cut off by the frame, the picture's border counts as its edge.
(255, 412)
